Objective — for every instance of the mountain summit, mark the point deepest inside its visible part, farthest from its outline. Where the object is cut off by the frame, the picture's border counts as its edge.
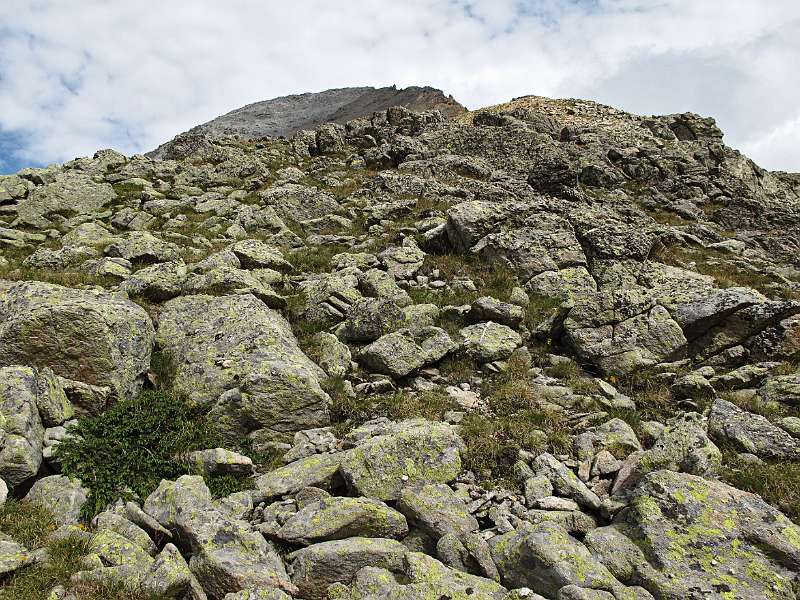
(284, 116)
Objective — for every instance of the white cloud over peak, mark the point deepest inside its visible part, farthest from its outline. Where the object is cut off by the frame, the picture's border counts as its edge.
(78, 75)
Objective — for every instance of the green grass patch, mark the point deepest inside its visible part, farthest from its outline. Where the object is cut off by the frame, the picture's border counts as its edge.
(126, 451)
(777, 482)
(27, 522)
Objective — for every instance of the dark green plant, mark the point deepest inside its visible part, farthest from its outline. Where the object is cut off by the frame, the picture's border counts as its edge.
(126, 451)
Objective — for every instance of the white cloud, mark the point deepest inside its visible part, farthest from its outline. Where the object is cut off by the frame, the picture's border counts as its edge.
(78, 75)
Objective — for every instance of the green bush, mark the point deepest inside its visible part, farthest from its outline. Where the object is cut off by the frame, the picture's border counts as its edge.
(130, 448)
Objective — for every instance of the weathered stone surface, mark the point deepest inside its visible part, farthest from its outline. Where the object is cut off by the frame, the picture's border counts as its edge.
(127, 529)
(62, 496)
(254, 254)
(339, 518)
(784, 389)
(227, 554)
(314, 568)
(423, 577)
(703, 538)
(21, 430)
(316, 471)
(487, 342)
(142, 247)
(415, 451)
(98, 338)
(218, 461)
(157, 283)
(545, 557)
(683, 447)
(751, 433)
(13, 556)
(487, 308)
(401, 353)
(235, 352)
(334, 356)
(370, 318)
(69, 193)
(169, 575)
(436, 510)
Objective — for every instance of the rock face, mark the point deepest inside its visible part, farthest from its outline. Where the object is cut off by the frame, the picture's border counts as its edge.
(235, 352)
(290, 114)
(94, 337)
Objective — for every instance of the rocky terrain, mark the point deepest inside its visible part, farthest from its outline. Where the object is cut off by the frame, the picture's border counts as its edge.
(547, 349)
(285, 116)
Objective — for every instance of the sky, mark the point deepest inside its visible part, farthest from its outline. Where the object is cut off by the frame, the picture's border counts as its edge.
(80, 75)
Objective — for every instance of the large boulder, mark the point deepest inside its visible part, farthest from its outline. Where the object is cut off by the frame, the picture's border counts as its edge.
(688, 537)
(621, 331)
(314, 568)
(69, 194)
(227, 554)
(401, 353)
(544, 557)
(338, 518)
(404, 453)
(751, 433)
(21, 430)
(95, 337)
(63, 496)
(241, 356)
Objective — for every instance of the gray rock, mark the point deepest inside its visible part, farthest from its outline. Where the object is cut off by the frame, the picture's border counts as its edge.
(142, 247)
(783, 388)
(13, 556)
(75, 192)
(218, 461)
(436, 510)
(401, 353)
(122, 526)
(63, 497)
(370, 318)
(254, 254)
(21, 430)
(751, 433)
(487, 308)
(157, 283)
(683, 447)
(334, 356)
(488, 342)
(241, 356)
(169, 575)
(338, 518)
(314, 568)
(381, 284)
(316, 471)
(545, 557)
(699, 532)
(564, 481)
(411, 452)
(94, 337)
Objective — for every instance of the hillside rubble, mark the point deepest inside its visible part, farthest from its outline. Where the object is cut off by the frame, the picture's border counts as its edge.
(547, 349)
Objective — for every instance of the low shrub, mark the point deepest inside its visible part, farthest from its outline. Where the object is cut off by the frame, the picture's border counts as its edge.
(126, 451)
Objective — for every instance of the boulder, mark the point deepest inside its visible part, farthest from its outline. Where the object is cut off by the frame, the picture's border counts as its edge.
(370, 318)
(409, 452)
(157, 283)
(703, 538)
(683, 447)
(68, 194)
(546, 558)
(21, 430)
(314, 568)
(401, 353)
(98, 338)
(488, 342)
(142, 248)
(750, 433)
(255, 254)
(338, 518)
(313, 471)
(436, 510)
(64, 497)
(240, 356)
(487, 308)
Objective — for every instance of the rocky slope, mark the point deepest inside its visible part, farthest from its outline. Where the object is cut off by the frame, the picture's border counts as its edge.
(285, 116)
(547, 349)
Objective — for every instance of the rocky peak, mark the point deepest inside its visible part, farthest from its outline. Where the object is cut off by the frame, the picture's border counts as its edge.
(285, 116)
